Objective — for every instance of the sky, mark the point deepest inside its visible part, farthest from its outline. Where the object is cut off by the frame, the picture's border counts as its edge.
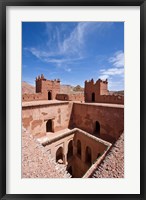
(74, 52)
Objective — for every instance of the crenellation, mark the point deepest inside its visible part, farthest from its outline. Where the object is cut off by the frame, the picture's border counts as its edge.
(98, 92)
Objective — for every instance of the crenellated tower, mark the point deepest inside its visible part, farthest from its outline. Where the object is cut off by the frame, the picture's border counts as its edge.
(94, 90)
(48, 88)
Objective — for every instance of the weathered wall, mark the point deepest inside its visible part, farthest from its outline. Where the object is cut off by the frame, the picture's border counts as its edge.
(79, 164)
(62, 97)
(33, 97)
(70, 97)
(111, 119)
(35, 117)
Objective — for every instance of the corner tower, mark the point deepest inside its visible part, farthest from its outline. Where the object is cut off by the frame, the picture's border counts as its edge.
(48, 88)
(94, 90)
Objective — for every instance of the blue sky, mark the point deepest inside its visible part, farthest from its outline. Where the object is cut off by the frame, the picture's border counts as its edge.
(74, 52)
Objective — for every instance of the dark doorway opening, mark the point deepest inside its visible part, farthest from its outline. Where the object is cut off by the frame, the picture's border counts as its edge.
(97, 127)
(49, 95)
(59, 155)
(93, 97)
(49, 126)
(70, 150)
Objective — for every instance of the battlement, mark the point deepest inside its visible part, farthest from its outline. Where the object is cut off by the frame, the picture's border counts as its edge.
(99, 87)
(98, 92)
(42, 78)
(97, 82)
(49, 88)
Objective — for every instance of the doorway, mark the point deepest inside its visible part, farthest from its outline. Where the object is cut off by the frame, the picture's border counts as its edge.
(49, 95)
(49, 126)
(93, 97)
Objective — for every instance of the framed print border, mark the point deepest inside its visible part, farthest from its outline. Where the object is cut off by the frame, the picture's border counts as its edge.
(3, 99)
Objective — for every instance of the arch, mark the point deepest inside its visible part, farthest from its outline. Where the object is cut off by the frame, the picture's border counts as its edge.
(97, 127)
(70, 150)
(49, 95)
(88, 159)
(79, 150)
(49, 126)
(93, 97)
(59, 155)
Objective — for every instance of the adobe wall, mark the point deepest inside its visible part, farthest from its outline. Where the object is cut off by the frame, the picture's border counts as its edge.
(35, 117)
(110, 117)
(33, 97)
(70, 97)
(62, 97)
(114, 99)
(76, 97)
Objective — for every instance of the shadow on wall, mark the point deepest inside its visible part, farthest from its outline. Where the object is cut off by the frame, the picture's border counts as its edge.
(104, 122)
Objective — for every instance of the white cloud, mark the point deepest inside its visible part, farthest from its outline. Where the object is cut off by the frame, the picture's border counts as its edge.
(118, 59)
(103, 77)
(71, 48)
(112, 71)
(68, 69)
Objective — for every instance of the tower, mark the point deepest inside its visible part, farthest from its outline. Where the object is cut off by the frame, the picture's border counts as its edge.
(48, 88)
(94, 90)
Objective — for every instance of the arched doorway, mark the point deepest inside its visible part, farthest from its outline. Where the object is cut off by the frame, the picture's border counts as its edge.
(88, 159)
(70, 150)
(97, 127)
(93, 97)
(49, 95)
(79, 148)
(59, 155)
(49, 126)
